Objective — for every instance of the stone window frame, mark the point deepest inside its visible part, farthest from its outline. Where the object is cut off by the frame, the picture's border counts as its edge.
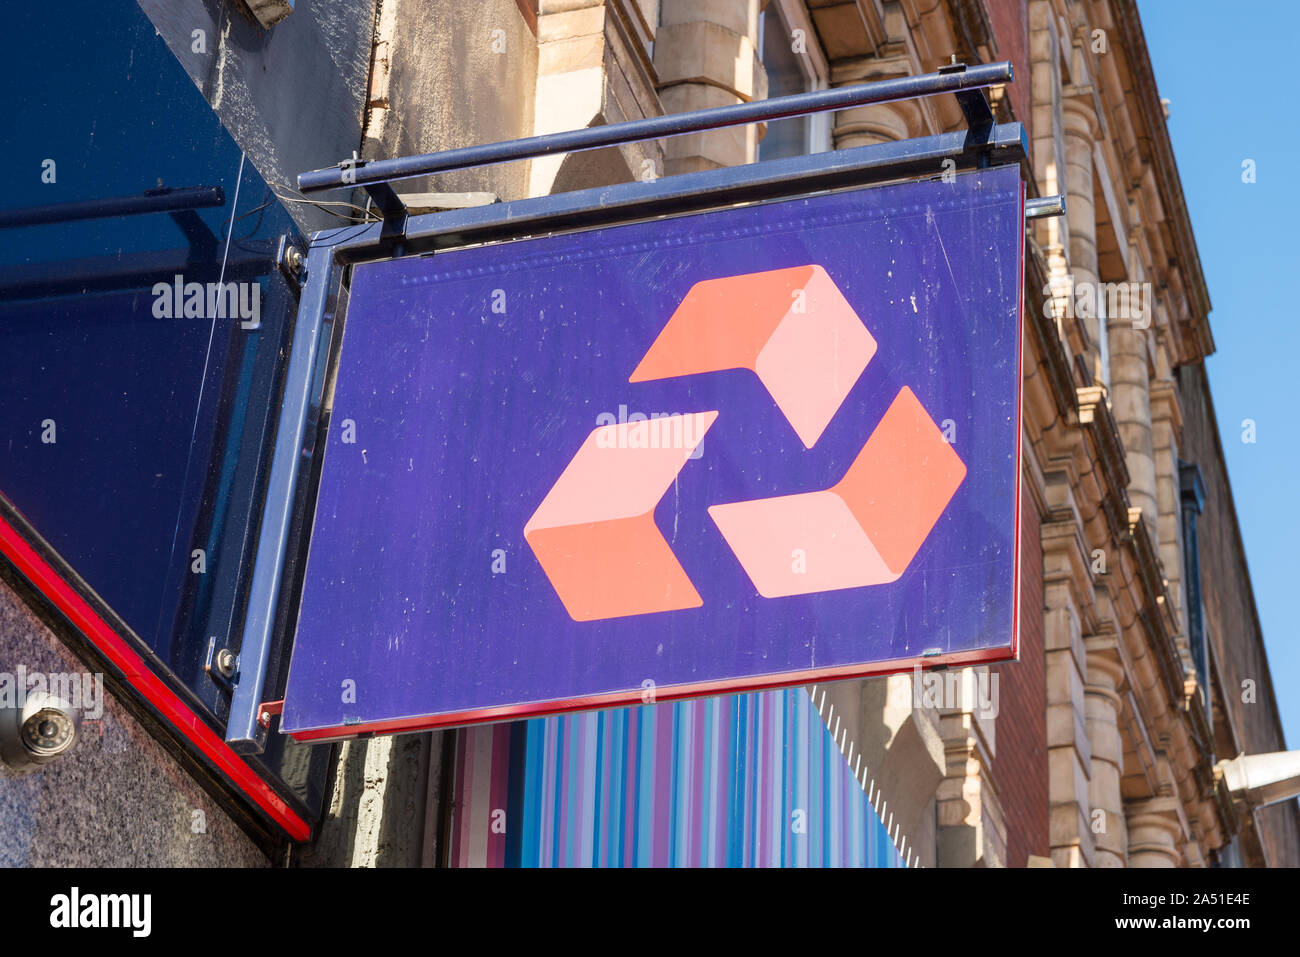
(815, 66)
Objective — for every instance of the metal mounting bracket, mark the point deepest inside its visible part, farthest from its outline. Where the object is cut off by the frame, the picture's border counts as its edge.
(376, 176)
(974, 105)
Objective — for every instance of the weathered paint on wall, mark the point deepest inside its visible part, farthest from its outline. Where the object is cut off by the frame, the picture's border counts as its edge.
(452, 75)
(292, 96)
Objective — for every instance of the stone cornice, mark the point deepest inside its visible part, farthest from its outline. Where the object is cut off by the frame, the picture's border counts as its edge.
(1165, 404)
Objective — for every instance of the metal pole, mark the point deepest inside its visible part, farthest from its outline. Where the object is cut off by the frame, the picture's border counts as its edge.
(1045, 207)
(152, 201)
(244, 731)
(673, 124)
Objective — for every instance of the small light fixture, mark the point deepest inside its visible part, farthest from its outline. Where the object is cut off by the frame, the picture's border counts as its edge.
(41, 729)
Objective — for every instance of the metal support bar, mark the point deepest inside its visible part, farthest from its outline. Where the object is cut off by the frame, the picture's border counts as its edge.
(673, 124)
(687, 192)
(202, 240)
(161, 200)
(1045, 207)
(389, 204)
(269, 710)
(974, 105)
(244, 731)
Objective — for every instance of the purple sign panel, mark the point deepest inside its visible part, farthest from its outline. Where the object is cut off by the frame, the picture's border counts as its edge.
(752, 447)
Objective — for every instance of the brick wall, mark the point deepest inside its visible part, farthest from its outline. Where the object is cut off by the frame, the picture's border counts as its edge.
(1010, 22)
(1020, 765)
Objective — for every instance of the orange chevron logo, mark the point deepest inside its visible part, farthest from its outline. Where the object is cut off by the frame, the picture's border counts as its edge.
(863, 531)
(791, 327)
(594, 533)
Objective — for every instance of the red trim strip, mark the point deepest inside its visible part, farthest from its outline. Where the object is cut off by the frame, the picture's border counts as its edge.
(1020, 431)
(623, 699)
(64, 597)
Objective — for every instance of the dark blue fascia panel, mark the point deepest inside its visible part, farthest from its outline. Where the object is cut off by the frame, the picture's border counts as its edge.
(129, 439)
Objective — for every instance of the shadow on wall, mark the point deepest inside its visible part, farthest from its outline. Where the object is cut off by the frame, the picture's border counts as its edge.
(377, 815)
(592, 169)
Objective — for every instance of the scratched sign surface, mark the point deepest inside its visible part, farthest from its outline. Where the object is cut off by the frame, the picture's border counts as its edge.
(751, 447)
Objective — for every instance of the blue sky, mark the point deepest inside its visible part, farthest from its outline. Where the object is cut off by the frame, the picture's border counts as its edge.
(1225, 71)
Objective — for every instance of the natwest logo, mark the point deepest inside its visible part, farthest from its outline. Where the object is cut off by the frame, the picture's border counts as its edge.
(594, 532)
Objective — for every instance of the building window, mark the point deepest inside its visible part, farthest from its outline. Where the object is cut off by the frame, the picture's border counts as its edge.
(795, 64)
(1192, 488)
(1103, 343)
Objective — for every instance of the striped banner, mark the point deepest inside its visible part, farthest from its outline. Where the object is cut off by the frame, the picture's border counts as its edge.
(748, 780)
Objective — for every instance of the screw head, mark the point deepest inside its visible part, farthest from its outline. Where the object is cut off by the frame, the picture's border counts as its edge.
(225, 662)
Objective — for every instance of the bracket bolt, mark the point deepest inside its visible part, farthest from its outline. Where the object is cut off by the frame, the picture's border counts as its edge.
(225, 662)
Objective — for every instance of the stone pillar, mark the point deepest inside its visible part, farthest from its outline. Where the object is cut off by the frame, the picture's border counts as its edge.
(898, 750)
(1130, 400)
(879, 122)
(1081, 130)
(972, 830)
(592, 70)
(378, 813)
(1155, 833)
(1048, 147)
(1069, 751)
(1106, 818)
(445, 76)
(706, 55)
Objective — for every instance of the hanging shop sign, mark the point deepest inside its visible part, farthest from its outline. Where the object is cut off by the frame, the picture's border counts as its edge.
(750, 447)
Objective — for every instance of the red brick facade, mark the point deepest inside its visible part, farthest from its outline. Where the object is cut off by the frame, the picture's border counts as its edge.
(1020, 765)
(1010, 22)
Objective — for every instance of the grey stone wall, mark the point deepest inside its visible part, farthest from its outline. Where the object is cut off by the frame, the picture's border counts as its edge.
(292, 96)
(449, 75)
(117, 799)
(384, 808)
